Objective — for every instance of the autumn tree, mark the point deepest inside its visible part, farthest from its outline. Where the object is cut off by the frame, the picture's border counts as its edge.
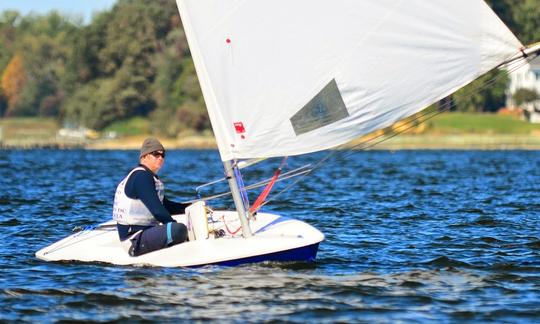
(13, 82)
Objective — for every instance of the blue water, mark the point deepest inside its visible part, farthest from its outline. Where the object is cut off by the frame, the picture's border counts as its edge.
(411, 236)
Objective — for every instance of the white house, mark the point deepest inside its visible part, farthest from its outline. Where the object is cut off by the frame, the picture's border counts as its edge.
(528, 77)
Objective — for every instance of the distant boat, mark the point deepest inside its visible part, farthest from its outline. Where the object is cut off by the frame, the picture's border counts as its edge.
(284, 78)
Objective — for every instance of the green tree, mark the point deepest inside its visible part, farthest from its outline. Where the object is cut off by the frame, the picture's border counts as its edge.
(8, 30)
(504, 9)
(106, 100)
(190, 116)
(180, 106)
(524, 96)
(526, 14)
(168, 63)
(46, 45)
(121, 65)
(133, 35)
(186, 87)
(486, 94)
(3, 103)
(521, 16)
(27, 105)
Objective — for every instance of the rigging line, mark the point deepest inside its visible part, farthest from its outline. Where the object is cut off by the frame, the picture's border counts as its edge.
(198, 188)
(72, 240)
(253, 186)
(426, 113)
(286, 174)
(261, 183)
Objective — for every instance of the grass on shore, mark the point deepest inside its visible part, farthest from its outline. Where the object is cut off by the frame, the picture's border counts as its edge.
(469, 123)
(28, 127)
(130, 127)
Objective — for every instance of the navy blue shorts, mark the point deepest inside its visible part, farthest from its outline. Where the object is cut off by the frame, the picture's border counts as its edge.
(158, 237)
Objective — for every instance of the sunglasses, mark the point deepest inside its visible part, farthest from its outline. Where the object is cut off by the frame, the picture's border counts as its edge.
(157, 154)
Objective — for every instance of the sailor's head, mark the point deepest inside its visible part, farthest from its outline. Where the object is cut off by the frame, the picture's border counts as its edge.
(152, 154)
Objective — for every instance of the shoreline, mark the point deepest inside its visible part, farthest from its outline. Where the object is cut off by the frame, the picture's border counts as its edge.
(429, 141)
(425, 141)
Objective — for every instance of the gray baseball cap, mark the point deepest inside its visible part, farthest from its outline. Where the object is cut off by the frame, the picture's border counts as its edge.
(150, 145)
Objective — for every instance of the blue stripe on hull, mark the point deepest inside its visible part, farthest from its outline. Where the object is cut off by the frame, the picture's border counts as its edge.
(305, 254)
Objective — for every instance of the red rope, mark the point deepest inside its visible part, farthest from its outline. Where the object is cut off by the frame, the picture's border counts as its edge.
(227, 227)
(262, 197)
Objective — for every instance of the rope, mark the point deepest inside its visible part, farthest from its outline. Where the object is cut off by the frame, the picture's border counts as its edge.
(257, 204)
(290, 174)
(227, 227)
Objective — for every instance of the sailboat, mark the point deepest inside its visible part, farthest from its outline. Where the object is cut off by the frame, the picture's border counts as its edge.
(283, 78)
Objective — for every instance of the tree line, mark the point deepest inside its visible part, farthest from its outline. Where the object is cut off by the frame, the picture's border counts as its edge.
(133, 60)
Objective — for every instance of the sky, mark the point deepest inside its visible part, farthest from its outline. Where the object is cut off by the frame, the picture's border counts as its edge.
(83, 8)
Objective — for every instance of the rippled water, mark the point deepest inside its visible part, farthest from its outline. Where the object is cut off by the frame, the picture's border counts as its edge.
(412, 236)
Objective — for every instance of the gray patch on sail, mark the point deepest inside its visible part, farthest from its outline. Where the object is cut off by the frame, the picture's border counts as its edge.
(325, 108)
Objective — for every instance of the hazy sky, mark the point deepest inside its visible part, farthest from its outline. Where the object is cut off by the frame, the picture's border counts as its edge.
(83, 8)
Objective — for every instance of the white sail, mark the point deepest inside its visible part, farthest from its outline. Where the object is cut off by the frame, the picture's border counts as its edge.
(287, 77)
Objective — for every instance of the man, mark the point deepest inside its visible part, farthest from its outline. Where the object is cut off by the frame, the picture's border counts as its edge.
(142, 212)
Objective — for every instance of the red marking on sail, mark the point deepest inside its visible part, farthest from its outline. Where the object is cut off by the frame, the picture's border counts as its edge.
(239, 128)
(228, 40)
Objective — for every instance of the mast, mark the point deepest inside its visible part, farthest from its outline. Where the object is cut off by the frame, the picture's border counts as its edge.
(240, 208)
(533, 49)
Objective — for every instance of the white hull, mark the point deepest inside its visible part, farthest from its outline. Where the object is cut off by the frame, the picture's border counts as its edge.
(275, 238)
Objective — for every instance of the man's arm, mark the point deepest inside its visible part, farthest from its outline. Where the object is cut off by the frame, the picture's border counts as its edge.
(174, 207)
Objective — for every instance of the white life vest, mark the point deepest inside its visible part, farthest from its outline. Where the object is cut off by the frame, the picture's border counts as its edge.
(127, 211)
